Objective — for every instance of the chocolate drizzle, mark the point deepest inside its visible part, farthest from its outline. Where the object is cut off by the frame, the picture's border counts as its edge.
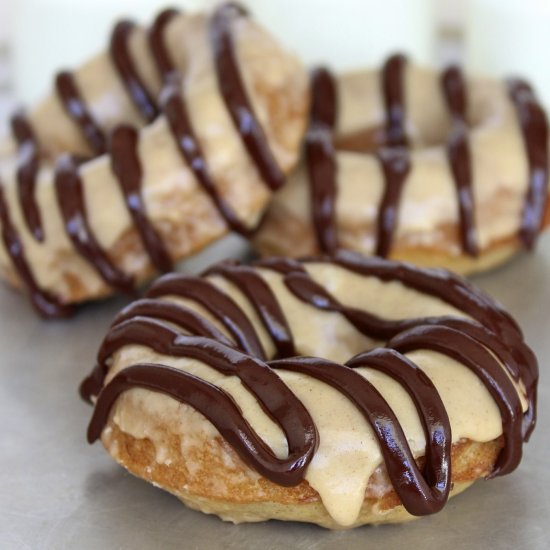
(260, 295)
(70, 197)
(394, 99)
(458, 151)
(156, 43)
(534, 126)
(126, 68)
(477, 341)
(28, 160)
(219, 304)
(233, 91)
(75, 107)
(123, 149)
(127, 168)
(471, 354)
(394, 158)
(395, 167)
(175, 110)
(44, 303)
(321, 164)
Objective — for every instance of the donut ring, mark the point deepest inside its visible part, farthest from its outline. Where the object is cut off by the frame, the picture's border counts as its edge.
(306, 391)
(416, 165)
(103, 184)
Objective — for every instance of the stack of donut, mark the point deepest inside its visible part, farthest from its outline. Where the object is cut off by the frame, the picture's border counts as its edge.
(343, 388)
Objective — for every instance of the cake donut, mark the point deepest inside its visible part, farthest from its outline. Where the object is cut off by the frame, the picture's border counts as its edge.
(174, 136)
(339, 391)
(433, 168)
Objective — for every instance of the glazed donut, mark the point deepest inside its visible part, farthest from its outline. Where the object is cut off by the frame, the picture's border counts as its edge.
(107, 181)
(337, 391)
(422, 166)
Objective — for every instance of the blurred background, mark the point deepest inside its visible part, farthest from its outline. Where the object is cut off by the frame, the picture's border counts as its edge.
(498, 37)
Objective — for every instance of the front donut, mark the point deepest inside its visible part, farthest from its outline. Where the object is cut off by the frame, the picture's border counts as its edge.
(339, 392)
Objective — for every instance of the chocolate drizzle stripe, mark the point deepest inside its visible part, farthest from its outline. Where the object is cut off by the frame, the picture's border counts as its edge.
(264, 301)
(28, 159)
(43, 302)
(234, 94)
(125, 66)
(534, 126)
(126, 166)
(217, 302)
(218, 407)
(477, 358)
(70, 197)
(393, 87)
(320, 159)
(458, 153)
(421, 493)
(439, 283)
(394, 159)
(175, 110)
(178, 314)
(76, 108)
(395, 165)
(157, 45)
(322, 166)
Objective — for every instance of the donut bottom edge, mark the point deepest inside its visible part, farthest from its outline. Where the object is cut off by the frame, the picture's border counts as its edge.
(213, 479)
(282, 233)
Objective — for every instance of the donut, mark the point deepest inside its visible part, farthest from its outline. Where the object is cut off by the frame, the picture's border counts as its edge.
(409, 163)
(174, 136)
(337, 391)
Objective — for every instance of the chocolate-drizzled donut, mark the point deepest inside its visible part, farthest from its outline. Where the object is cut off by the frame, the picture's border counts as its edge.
(148, 152)
(336, 391)
(430, 167)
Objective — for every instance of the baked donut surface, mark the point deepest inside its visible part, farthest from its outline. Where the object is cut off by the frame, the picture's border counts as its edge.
(429, 167)
(126, 168)
(336, 391)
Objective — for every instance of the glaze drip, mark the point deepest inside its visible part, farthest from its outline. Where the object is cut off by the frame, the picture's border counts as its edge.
(476, 342)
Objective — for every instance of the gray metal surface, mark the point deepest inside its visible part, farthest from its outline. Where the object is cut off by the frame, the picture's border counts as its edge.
(58, 492)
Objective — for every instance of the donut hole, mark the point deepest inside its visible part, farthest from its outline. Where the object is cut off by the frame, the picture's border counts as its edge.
(427, 122)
